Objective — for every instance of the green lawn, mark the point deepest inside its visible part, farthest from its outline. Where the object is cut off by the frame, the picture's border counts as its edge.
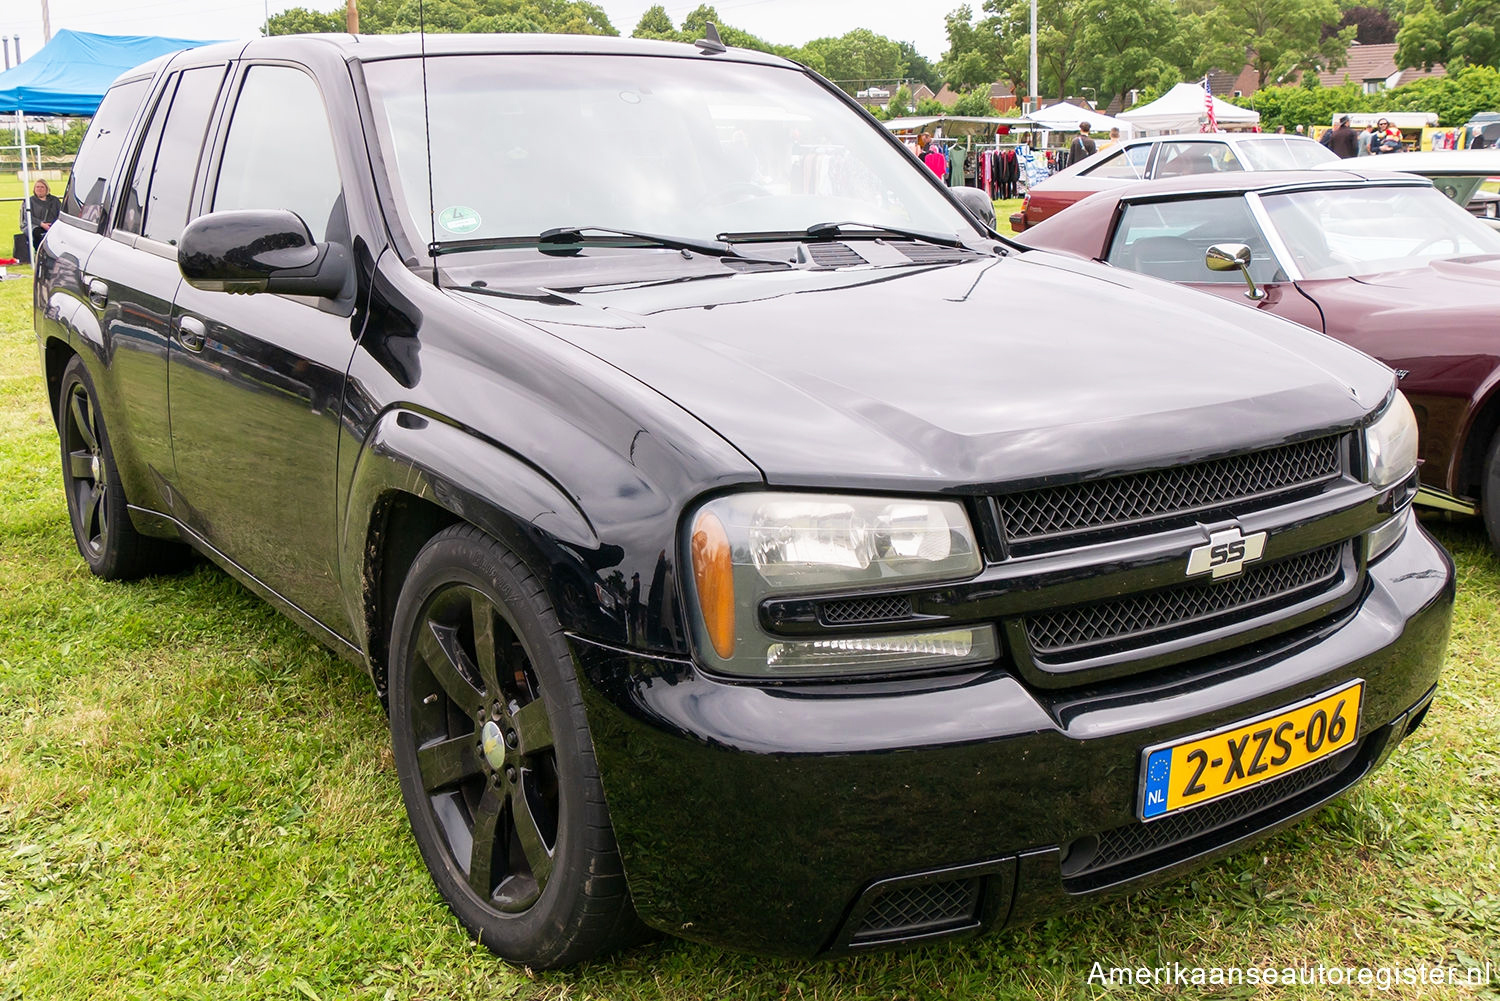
(197, 802)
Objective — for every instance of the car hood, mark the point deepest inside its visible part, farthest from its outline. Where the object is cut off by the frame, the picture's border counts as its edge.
(1015, 369)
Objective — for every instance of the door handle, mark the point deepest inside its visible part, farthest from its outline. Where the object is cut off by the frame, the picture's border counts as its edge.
(98, 293)
(191, 332)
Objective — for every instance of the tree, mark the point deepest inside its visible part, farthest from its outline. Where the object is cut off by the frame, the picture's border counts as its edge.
(900, 102)
(1061, 48)
(916, 66)
(655, 24)
(1454, 98)
(1372, 25)
(1127, 43)
(975, 103)
(855, 58)
(695, 26)
(1446, 31)
(301, 21)
(1276, 37)
(571, 17)
(973, 55)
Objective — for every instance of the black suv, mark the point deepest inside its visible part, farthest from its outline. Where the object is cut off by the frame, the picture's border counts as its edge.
(747, 543)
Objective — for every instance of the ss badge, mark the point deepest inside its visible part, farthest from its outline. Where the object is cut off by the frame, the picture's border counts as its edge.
(1226, 553)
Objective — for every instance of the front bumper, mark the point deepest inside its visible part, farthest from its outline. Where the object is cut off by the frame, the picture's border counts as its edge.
(814, 819)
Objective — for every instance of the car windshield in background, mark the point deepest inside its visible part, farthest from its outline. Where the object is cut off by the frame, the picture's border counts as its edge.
(526, 144)
(1345, 232)
(1284, 153)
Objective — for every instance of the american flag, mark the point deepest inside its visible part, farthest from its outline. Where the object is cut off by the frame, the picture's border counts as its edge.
(1208, 105)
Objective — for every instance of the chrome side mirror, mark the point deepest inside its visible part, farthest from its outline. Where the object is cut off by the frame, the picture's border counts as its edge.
(1229, 257)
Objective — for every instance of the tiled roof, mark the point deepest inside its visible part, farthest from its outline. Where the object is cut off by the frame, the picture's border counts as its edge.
(1367, 63)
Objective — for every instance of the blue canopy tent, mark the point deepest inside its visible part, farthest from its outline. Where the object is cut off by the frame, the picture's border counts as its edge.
(69, 75)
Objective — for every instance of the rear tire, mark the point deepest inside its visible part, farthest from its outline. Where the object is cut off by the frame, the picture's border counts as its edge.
(495, 760)
(97, 508)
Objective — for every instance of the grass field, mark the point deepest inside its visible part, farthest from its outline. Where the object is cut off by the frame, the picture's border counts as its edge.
(197, 802)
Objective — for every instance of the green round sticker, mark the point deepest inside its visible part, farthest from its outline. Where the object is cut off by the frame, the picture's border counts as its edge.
(459, 219)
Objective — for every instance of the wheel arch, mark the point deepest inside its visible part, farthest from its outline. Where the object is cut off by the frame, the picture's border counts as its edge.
(56, 353)
(417, 475)
(1481, 431)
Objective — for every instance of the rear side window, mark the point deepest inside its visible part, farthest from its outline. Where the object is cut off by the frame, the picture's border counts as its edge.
(87, 187)
(1128, 164)
(279, 153)
(1180, 158)
(181, 144)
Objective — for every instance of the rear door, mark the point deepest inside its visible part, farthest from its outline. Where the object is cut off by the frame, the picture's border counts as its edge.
(133, 270)
(257, 380)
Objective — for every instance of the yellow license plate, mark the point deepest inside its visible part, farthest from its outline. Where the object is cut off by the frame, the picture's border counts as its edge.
(1186, 773)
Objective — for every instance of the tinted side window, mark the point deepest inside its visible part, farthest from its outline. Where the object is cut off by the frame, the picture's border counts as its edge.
(181, 143)
(1168, 240)
(279, 153)
(133, 207)
(1128, 164)
(101, 148)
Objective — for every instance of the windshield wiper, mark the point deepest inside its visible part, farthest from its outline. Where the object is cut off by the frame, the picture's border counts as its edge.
(565, 238)
(837, 231)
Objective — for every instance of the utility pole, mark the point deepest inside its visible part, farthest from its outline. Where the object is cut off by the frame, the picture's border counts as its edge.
(46, 24)
(351, 16)
(1032, 104)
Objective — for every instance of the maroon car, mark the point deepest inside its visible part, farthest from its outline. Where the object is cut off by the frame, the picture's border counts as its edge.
(1165, 156)
(1382, 262)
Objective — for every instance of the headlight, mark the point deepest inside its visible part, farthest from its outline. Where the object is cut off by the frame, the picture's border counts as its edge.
(1391, 444)
(746, 548)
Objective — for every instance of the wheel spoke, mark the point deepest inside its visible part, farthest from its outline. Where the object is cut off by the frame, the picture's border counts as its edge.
(484, 643)
(447, 762)
(482, 857)
(533, 728)
(81, 465)
(94, 513)
(82, 420)
(538, 855)
(437, 650)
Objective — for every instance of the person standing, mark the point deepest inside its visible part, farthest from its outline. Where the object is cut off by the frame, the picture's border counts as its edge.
(1114, 138)
(1343, 140)
(40, 211)
(1366, 139)
(1083, 146)
(1387, 138)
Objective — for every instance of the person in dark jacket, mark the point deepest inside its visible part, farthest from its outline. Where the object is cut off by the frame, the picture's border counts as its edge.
(1343, 140)
(40, 211)
(1082, 146)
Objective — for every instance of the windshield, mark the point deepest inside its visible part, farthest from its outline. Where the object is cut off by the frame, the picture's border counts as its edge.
(1345, 232)
(523, 144)
(1284, 153)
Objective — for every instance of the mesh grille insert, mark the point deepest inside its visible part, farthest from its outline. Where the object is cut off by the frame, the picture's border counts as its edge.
(920, 907)
(882, 609)
(1138, 839)
(1163, 492)
(932, 253)
(1140, 614)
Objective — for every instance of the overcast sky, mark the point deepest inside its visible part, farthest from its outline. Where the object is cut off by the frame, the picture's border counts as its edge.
(784, 21)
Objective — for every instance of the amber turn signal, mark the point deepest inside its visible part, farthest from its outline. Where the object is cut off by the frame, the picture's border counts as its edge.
(713, 572)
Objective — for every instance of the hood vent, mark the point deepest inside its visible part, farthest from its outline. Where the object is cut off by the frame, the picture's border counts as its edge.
(931, 253)
(834, 255)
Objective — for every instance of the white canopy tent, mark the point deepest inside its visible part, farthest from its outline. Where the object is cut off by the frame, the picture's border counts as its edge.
(1182, 109)
(1065, 117)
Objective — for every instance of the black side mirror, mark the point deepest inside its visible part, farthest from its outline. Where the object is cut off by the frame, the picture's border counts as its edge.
(977, 202)
(260, 250)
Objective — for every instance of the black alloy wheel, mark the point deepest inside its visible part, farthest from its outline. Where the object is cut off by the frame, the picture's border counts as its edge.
(106, 537)
(496, 766)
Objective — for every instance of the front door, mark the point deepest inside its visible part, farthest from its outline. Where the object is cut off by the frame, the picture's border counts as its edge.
(256, 380)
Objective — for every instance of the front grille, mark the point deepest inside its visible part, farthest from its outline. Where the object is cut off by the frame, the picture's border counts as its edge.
(1118, 500)
(1142, 615)
(1111, 848)
(910, 909)
(834, 255)
(886, 608)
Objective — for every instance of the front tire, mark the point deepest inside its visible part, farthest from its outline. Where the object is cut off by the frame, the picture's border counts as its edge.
(1489, 493)
(496, 766)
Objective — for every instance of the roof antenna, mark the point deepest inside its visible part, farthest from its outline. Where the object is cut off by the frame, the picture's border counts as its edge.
(711, 45)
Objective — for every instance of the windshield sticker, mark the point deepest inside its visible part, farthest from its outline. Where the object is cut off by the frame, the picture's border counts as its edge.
(459, 219)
